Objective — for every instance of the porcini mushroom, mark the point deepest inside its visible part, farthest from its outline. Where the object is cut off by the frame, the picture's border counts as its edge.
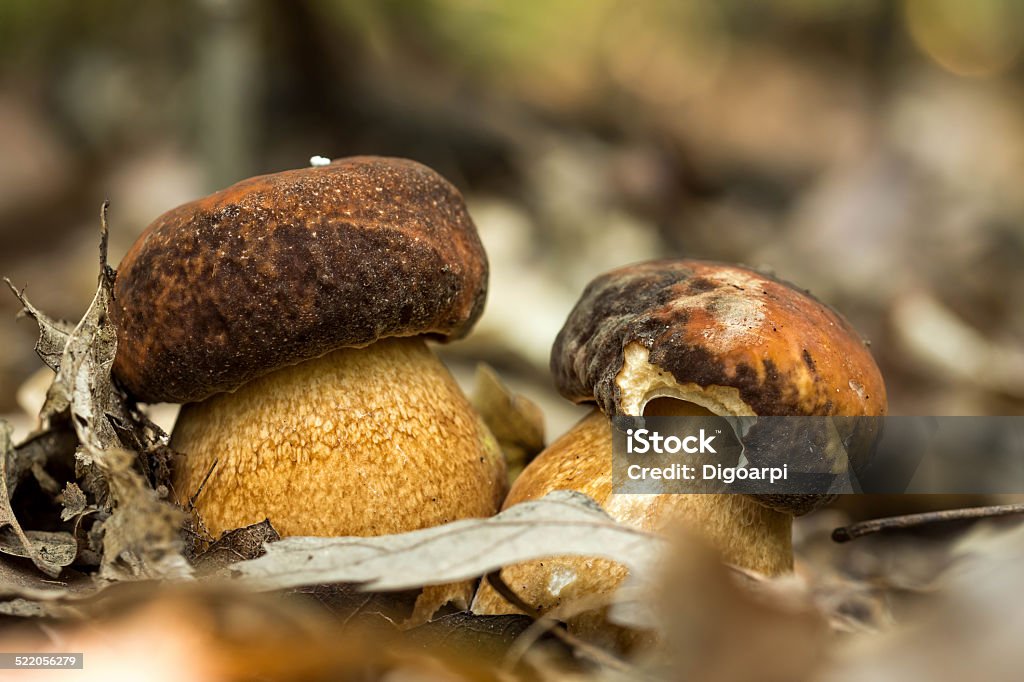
(686, 337)
(289, 312)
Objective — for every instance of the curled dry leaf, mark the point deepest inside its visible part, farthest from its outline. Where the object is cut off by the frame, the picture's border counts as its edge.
(559, 524)
(37, 451)
(24, 591)
(141, 538)
(516, 422)
(83, 384)
(18, 579)
(75, 503)
(21, 545)
(53, 334)
(241, 544)
(57, 549)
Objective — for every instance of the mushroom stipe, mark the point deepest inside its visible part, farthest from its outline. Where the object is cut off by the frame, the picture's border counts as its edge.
(367, 441)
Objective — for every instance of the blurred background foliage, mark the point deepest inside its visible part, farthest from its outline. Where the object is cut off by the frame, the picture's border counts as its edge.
(869, 150)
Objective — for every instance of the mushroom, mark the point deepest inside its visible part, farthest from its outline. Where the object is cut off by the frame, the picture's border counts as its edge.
(686, 337)
(289, 312)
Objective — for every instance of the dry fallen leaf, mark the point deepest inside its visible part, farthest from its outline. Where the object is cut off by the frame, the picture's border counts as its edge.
(516, 422)
(23, 546)
(75, 503)
(233, 546)
(142, 537)
(56, 548)
(38, 451)
(19, 579)
(53, 334)
(561, 523)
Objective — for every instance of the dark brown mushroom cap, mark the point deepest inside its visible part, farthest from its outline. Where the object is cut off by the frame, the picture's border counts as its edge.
(712, 324)
(286, 267)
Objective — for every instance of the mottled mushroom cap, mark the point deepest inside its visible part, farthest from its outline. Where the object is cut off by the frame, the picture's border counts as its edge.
(286, 267)
(737, 341)
(730, 340)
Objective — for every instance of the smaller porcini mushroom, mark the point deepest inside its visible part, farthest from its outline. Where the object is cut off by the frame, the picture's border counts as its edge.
(686, 337)
(290, 311)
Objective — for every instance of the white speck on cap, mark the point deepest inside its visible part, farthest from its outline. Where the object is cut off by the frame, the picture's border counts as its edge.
(317, 161)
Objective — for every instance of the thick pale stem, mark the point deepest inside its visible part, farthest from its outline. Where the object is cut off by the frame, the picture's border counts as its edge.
(358, 442)
(747, 533)
(744, 532)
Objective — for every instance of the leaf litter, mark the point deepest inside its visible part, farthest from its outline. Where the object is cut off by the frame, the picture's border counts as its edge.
(138, 533)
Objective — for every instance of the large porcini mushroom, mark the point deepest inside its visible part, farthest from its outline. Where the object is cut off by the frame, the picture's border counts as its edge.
(289, 312)
(686, 337)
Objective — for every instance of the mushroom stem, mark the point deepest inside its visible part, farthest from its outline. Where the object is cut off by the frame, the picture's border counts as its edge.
(360, 442)
(745, 532)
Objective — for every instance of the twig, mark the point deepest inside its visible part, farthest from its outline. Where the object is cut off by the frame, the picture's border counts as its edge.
(856, 530)
(509, 595)
(199, 490)
(104, 233)
(586, 649)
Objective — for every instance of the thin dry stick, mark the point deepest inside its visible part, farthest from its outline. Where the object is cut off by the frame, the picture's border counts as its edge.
(595, 654)
(856, 530)
(199, 491)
